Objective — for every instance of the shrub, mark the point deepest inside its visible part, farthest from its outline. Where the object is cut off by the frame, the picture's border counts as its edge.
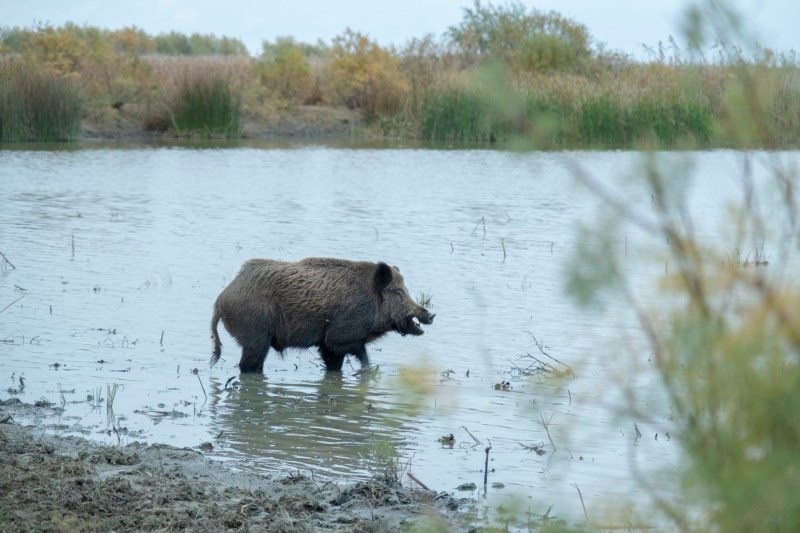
(364, 75)
(285, 71)
(525, 40)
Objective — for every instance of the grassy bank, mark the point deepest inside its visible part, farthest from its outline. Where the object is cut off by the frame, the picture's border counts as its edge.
(504, 73)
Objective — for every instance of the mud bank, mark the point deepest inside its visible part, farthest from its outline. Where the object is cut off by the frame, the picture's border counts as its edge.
(56, 483)
(132, 122)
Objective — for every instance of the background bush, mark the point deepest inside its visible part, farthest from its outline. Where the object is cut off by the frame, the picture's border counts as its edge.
(554, 86)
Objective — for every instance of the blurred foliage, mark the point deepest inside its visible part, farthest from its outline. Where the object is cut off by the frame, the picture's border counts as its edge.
(196, 44)
(727, 345)
(724, 331)
(129, 40)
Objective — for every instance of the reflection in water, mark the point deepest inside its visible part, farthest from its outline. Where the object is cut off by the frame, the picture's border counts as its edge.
(323, 425)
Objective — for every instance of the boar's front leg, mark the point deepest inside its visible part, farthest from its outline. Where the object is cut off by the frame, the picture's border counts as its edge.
(333, 360)
(334, 355)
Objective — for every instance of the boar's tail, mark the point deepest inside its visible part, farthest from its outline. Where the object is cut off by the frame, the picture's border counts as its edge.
(215, 337)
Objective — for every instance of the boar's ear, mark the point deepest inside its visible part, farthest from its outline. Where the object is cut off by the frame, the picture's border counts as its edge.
(383, 276)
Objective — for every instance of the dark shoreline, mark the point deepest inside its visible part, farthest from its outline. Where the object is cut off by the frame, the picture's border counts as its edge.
(66, 483)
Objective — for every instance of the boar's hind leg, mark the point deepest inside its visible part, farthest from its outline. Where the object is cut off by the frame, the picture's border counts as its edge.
(253, 357)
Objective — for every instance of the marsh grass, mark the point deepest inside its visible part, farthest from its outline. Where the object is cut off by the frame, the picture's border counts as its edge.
(382, 461)
(201, 96)
(209, 108)
(424, 298)
(581, 116)
(37, 104)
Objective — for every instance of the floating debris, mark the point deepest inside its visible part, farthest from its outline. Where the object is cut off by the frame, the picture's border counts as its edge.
(447, 440)
(503, 385)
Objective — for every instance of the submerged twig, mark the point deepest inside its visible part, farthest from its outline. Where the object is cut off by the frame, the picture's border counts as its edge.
(547, 429)
(7, 261)
(486, 466)
(202, 387)
(111, 394)
(12, 303)
(365, 369)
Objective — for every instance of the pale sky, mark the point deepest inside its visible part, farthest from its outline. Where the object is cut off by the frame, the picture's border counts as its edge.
(623, 25)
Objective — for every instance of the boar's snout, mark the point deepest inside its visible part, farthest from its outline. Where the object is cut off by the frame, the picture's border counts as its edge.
(410, 325)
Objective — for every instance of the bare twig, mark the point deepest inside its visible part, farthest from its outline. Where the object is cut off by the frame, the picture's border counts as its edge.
(202, 387)
(7, 261)
(540, 345)
(546, 423)
(538, 448)
(12, 303)
(582, 504)
(365, 369)
(418, 482)
(471, 435)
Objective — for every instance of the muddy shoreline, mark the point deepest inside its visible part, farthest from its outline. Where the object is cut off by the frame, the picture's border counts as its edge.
(131, 122)
(66, 483)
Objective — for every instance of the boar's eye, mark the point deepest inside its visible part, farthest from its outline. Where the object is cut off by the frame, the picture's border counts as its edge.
(398, 292)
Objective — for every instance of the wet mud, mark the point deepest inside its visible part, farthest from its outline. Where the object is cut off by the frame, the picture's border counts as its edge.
(66, 483)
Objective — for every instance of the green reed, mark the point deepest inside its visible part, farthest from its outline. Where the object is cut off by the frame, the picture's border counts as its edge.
(37, 104)
(666, 121)
(462, 114)
(209, 107)
(456, 114)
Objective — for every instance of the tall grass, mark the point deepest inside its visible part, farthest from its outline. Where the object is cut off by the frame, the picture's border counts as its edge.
(201, 96)
(457, 114)
(208, 107)
(37, 104)
(453, 114)
(607, 121)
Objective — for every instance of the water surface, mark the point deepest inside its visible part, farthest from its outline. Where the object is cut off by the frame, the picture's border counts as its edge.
(120, 253)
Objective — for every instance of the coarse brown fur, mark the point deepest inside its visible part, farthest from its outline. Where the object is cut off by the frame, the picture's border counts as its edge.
(336, 305)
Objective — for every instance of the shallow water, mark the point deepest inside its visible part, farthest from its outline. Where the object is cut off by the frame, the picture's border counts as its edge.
(121, 251)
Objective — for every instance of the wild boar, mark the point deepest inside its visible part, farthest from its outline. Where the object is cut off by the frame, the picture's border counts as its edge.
(336, 305)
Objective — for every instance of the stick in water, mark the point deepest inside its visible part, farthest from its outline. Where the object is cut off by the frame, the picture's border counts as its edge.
(486, 466)
(7, 261)
(418, 482)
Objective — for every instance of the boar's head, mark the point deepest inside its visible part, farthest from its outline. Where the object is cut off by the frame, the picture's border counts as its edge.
(397, 308)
